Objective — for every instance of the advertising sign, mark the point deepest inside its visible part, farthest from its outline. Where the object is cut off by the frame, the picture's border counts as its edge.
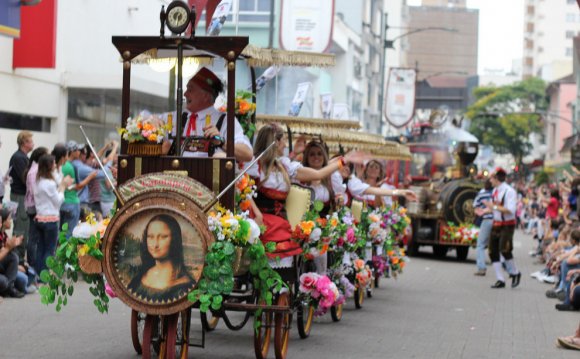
(307, 25)
(340, 111)
(299, 98)
(326, 105)
(400, 96)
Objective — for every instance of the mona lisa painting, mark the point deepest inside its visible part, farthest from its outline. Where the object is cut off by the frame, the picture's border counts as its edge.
(158, 256)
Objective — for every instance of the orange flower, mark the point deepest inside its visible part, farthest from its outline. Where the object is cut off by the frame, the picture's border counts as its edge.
(152, 137)
(245, 106)
(321, 221)
(242, 183)
(139, 125)
(245, 205)
(395, 260)
(307, 226)
(334, 222)
(390, 253)
(402, 265)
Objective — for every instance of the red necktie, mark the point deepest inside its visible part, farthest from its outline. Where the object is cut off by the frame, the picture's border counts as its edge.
(192, 125)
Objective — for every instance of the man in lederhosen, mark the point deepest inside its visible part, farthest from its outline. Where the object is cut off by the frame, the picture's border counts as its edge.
(503, 205)
(205, 129)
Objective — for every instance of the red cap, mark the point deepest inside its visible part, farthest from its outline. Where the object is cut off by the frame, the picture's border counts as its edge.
(498, 170)
(207, 81)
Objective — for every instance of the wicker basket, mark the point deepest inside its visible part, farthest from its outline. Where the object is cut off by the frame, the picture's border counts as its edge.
(89, 264)
(145, 149)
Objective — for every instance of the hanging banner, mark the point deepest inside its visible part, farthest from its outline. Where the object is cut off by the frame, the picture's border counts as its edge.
(299, 98)
(326, 105)
(340, 111)
(400, 96)
(219, 18)
(307, 25)
(10, 18)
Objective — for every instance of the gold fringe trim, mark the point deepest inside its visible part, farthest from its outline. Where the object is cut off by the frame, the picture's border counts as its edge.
(260, 57)
(306, 122)
(152, 54)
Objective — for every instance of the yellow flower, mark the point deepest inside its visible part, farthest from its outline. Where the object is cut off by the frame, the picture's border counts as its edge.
(84, 250)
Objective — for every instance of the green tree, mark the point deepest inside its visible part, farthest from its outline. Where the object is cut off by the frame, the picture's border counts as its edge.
(504, 117)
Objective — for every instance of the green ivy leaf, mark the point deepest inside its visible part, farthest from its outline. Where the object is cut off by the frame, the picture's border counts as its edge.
(45, 275)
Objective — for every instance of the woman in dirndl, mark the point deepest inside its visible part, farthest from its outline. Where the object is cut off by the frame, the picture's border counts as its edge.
(273, 175)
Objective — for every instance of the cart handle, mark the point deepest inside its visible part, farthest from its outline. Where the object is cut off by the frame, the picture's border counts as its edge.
(217, 198)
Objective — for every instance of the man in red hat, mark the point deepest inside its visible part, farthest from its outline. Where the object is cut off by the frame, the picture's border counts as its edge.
(503, 205)
(206, 128)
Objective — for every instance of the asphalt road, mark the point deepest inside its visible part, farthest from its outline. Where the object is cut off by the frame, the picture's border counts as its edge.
(436, 309)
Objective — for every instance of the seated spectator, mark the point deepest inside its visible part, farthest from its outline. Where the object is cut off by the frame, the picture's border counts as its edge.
(571, 342)
(8, 257)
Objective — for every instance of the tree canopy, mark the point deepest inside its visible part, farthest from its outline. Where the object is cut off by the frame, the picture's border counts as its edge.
(504, 117)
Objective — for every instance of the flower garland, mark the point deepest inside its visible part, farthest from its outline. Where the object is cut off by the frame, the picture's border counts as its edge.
(313, 232)
(63, 267)
(245, 189)
(146, 127)
(244, 110)
(320, 291)
(464, 233)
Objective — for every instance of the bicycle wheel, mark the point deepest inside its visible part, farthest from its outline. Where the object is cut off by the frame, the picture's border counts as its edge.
(282, 328)
(336, 312)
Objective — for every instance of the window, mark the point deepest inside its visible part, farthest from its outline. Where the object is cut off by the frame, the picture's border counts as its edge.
(18, 121)
(571, 1)
(570, 17)
(253, 11)
(569, 34)
(568, 52)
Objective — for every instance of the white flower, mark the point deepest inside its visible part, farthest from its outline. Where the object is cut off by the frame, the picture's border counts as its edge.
(254, 231)
(83, 230)
(315, 234)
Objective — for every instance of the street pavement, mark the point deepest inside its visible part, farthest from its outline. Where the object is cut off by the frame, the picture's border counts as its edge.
(435, 309)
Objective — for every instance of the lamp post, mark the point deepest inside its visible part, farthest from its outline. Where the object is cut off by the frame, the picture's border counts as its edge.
(389, 44)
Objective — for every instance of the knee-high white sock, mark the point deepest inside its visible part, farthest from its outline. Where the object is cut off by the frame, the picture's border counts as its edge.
(511, 267)
(498, 271)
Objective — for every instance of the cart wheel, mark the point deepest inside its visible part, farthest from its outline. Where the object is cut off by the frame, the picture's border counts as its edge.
(377, 280)
(182, 334)
(336, 312)
(137, 326)
(170, 336)
(263, 334)
(282, 329)
(304, 319)
(151, 336)
(359, 297)
(209, 321)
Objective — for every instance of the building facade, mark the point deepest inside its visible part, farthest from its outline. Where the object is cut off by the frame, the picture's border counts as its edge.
(559, 120)
(449, 43)
(549, 27)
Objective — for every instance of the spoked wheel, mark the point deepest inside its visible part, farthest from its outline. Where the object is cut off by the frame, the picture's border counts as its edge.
(170, 335)
(304, 318)
(336, 312)
(263, 334)
(137, 326)
(209, 321)
(359, 297)
(282, 330)
(152, 336)
(182, 334)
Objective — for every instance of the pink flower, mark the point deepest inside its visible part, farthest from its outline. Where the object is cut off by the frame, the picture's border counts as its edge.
(340, 242)
(308, 282)
(350, 235)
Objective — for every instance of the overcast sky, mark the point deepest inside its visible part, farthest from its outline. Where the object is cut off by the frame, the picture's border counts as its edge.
(501, 28)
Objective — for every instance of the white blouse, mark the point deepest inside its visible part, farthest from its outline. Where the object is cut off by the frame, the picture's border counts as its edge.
(47, 198)
(275, 180)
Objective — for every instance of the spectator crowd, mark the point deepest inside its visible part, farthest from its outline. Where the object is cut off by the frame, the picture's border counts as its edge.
(48, 188)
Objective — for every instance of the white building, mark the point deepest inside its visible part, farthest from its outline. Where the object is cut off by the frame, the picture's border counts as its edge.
(84, 86)
(549, 27)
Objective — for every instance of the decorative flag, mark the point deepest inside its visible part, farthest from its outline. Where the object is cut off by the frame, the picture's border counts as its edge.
(219, 18)
(326, 105)
(307, 25)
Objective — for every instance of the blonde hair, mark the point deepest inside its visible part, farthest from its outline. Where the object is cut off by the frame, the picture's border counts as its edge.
(269, 161)
(23, 136)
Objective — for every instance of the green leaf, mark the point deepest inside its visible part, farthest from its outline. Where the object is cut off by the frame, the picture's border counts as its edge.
(45, 275)
(268, 298)
(217, 299)
(229, 249)
(71, 290)
(204, 298)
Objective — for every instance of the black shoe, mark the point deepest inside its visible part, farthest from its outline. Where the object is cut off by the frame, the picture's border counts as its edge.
(516, 279)
(498, 284)
(14, 293)
(565, 307)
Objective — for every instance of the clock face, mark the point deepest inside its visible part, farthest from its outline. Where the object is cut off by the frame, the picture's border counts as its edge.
(177, 17)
